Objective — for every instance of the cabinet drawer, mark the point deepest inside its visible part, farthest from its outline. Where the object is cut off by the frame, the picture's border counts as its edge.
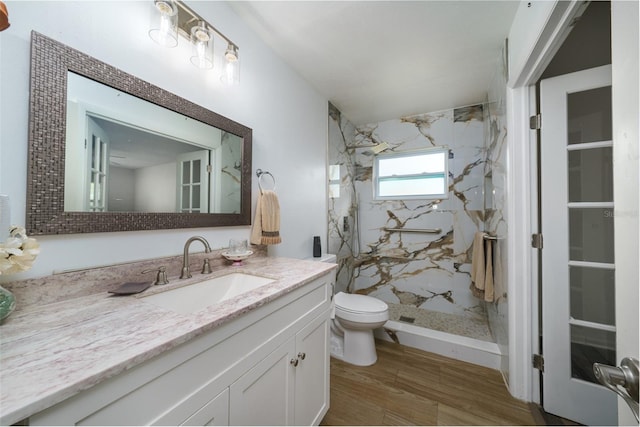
(214, 413)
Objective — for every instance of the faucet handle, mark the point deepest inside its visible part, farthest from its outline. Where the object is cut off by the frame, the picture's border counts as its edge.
(206, 267)
(161, 277)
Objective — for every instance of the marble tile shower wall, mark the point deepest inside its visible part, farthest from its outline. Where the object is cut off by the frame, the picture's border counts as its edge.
(342, 196)
(428, 271)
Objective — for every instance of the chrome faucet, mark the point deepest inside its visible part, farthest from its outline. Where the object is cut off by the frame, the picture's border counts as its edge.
(206, 268)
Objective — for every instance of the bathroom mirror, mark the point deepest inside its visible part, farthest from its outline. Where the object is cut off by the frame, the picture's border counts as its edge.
(110, 152)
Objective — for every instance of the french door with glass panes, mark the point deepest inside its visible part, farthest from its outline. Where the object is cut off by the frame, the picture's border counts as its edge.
(98, 167)
(193, 182)
(578, 262)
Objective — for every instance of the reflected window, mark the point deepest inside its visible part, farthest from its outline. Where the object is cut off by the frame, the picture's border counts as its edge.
(334, 181)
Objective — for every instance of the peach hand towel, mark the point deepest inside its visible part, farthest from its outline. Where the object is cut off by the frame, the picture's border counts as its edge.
(266, 225)
(482, 268)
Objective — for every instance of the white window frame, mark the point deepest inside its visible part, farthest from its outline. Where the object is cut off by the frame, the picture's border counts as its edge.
(412, 153)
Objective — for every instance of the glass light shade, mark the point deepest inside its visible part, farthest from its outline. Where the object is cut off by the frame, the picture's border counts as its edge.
(202, 42)
(164, 23)
(231, 71)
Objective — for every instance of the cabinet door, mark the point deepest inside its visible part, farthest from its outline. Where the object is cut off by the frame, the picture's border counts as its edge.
(264, 395)
(312, 372)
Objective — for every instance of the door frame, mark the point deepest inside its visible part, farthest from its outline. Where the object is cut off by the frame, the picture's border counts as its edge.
(556, 19)
(554, 23)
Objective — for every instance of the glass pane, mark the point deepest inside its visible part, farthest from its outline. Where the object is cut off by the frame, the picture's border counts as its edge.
(185, 197)
(195, 197)
(94, 151)
(592, 294)
(591, 175)
(334, 172)
(390, 187)
(196, 171)
(103, 157)
(589, 115)
(589, 346)
(411, 165)
(591, 234)
(186, 172)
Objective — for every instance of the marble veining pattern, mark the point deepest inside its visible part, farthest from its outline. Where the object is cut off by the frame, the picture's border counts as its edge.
(429, 272)
(51, 351)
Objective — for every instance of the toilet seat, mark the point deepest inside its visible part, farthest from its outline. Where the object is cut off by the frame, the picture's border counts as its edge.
(360, 308)
(355, 303)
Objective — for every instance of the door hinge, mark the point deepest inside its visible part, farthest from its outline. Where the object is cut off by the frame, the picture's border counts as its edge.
(538, 362)
(209, 169)
(535, 122)
(536, 240)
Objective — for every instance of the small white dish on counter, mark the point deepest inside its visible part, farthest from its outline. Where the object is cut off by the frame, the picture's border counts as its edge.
(237, 258)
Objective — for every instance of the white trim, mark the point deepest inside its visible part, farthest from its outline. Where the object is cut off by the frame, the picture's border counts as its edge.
(521, 313)
(590, 145)
(590, 264)
(533, 252)
(557, 27)
(590, 205)
(592, 325)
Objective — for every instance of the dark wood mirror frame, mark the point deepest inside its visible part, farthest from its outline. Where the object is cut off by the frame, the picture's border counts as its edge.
(50, 63)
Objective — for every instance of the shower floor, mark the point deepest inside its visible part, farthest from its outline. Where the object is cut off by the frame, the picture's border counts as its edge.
(443, 322)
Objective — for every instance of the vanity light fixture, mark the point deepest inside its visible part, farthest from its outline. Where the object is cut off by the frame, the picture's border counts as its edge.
(171, 18)
(164, 28)
(231, 74)
(202, 41)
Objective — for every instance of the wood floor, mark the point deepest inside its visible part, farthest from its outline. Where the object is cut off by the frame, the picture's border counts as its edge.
(412, 387)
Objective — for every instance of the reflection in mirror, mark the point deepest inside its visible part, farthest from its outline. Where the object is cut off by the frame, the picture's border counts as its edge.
(125, 154)
(116, 153)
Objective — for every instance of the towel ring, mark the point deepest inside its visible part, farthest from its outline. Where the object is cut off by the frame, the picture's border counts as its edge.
(260, 173)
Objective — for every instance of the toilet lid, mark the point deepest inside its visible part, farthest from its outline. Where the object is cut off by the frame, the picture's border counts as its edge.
(355, 303)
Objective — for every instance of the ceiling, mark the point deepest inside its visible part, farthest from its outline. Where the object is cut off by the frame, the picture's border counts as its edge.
(380, 60)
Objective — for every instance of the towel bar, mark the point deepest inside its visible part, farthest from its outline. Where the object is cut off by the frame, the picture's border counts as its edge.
(260, 173)
(415, 230)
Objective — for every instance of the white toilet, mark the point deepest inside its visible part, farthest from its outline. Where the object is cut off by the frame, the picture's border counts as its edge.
(356, 316)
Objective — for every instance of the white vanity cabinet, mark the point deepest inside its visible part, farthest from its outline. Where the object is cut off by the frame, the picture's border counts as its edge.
(269, 366)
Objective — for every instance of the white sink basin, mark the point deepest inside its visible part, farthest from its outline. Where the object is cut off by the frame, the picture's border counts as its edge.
(200, 295)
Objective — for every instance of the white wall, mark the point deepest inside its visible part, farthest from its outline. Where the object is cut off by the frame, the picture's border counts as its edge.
(288, 118)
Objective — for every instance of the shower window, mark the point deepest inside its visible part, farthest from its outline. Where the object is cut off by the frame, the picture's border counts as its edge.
(411, 175)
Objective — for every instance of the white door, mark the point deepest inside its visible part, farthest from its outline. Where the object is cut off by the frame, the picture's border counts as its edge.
(578, 261)
(98, 167)
(625, 42)
(193, 182)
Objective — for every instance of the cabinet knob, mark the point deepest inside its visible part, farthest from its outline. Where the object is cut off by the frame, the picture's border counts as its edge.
(294, 362)
(302, 355)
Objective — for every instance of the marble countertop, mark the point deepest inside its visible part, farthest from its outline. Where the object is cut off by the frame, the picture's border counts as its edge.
(51, 352)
